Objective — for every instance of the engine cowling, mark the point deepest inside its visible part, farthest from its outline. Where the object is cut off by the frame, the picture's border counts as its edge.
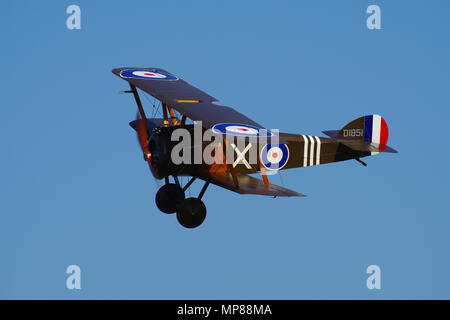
(160, 146)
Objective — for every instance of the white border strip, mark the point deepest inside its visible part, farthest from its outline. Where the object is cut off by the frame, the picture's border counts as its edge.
(311, 153)
(305, 151)
(318, 151)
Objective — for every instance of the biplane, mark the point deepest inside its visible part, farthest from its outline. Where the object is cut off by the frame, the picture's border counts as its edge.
(183, 104)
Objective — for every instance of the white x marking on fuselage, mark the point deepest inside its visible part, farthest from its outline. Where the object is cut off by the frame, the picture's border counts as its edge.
(241, 155)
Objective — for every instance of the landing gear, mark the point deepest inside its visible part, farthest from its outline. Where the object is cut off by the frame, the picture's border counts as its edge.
(191, 213)
(169, 197)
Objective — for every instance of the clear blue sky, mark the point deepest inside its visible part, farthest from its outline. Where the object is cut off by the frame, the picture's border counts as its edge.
(75, 190)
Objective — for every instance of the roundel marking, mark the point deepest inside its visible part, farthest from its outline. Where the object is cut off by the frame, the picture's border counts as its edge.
(146, 74)
(274, 157)
(239, 129)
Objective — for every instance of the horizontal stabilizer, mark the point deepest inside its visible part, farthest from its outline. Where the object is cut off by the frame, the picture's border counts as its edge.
(364, 146)
(360, 145)
(334, 134)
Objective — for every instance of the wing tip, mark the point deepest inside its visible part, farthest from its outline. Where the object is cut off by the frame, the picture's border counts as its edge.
(301, 195)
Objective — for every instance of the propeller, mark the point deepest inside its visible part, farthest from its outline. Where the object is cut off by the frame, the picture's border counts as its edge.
(142, 134)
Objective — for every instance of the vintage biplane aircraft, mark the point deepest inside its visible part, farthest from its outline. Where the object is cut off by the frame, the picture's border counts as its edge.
(362, 137)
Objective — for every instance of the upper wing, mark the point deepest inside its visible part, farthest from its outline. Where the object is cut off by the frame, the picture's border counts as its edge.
(246, 183)
(182, 96)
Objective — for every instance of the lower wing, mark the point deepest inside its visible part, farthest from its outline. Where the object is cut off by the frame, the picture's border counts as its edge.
(245, 184)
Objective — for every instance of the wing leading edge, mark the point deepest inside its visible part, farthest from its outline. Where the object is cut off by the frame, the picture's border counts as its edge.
(183, 97)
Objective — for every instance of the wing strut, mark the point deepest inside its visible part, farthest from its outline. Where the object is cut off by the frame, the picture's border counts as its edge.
(230, 168)
(183, 121)
(141, 109)
(173, 117)
(166, 119)
(263, 173)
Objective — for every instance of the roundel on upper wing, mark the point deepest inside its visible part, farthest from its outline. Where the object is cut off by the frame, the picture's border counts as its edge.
(238, 129)
(146, 74)
(274, 157)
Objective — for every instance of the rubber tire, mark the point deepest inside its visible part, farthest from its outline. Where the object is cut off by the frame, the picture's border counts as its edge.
(191, 213)
(169, 197)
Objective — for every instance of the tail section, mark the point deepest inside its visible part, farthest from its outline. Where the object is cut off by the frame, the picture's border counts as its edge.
(369, 133)
(371, 128)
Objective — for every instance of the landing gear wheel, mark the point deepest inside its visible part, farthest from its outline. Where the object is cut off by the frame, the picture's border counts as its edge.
(169, 197)
(191, 213)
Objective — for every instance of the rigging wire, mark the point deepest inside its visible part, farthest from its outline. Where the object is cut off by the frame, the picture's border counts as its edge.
(281, 178)
(155, 107)
(156, 104)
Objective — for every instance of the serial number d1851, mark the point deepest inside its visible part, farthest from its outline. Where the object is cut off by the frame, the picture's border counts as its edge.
(352, 133)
